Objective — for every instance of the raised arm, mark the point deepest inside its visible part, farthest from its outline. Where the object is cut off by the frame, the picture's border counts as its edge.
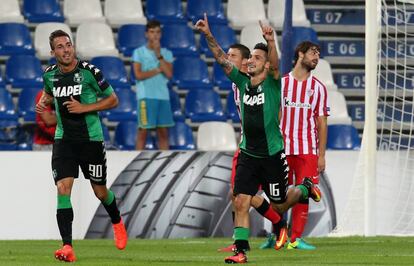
(268, 35)
(219, 54)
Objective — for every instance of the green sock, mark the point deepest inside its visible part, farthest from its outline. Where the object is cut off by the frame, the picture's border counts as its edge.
(110, 198)
(63, 202)
(305, 192)
(241, 233)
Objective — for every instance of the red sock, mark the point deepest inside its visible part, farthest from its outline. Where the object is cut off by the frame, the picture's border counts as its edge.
(272, 215)
(299, 220)
(267, 211)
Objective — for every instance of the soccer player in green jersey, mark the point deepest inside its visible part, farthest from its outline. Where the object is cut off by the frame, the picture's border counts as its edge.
(74, 86)
(262, 160)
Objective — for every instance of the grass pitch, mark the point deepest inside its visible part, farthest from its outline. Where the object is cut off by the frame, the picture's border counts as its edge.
(203, 251)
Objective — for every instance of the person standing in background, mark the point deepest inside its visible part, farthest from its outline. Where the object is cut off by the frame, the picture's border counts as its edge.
(153, 68)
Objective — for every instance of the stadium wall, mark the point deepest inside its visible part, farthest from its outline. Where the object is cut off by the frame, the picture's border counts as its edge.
(28, 194)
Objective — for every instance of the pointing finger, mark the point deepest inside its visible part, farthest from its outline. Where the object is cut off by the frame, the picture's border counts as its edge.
(205, 17)
(261, 24)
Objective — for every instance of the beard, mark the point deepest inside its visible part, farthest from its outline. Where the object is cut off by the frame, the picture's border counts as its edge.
(308, 65)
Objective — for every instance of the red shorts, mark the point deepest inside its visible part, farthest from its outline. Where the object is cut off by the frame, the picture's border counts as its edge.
(233, 169)
(301, 166)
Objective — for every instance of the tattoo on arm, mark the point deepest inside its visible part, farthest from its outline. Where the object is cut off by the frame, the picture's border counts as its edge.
(219, 54)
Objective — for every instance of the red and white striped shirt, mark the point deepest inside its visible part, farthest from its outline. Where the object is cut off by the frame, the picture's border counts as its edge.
(236, 94)
(302, 103)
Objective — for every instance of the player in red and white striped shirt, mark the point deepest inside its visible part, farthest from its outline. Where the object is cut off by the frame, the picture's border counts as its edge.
(304, 128)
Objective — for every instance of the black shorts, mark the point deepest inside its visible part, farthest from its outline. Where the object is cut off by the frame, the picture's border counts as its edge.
(271, 173)
(90, 156)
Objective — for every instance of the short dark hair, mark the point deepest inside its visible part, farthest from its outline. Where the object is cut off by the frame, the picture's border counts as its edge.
(152, 24)
(304, 47)
(263, 47)
(56, 34)
(245, 52)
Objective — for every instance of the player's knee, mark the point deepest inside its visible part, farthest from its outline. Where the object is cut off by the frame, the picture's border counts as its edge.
(242, 203)
(63, 189)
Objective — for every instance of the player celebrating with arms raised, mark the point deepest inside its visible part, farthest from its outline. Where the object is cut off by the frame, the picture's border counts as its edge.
(262, 160)
(74, 87)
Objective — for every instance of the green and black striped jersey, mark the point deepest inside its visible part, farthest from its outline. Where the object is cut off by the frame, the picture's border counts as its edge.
(259, 109)
(85, 83)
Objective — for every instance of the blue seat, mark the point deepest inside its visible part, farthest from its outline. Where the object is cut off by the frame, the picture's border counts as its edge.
(191, 72)
(26, 104)
(130, 36)
(126, 109)
(220, 79)
(125, 136)
(224, 35)
(204, 105)
(7, 109)
(179, 39)
(176, 106)
(42, 11)
(15, 39)
(180, 137)
(113, 69)
(301, 34)
(24, 71)
(343, 137)
(213, 8)
(165, 11)
(231, 109)
(8, 134)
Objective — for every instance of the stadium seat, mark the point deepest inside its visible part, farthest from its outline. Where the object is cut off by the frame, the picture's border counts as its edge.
(24, 71)
(125, 12)
(231, 108)
(180, 137)
(130, 36)
(26, 104)
(252, 34)
(95, 39)
(126, 109)
(8, 134)
(15, 39)
(343, 137)
(7, 108)
(216, 136)
(41, 37)
(176, 106)
(338, 109)
(80, 11)
(241, 13)
(10, 11)
(179, 39)
(213, 8)
(125, 136)
(166, 12)
(220, 79)
(301, 34)
(204, 105)
(42, 11)
(323, 72)
(191, 72)
(113, 69)
(224, 35)
(276, 13)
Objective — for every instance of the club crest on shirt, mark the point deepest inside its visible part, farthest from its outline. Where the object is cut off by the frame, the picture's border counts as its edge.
(310, 92)
(78, 78)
